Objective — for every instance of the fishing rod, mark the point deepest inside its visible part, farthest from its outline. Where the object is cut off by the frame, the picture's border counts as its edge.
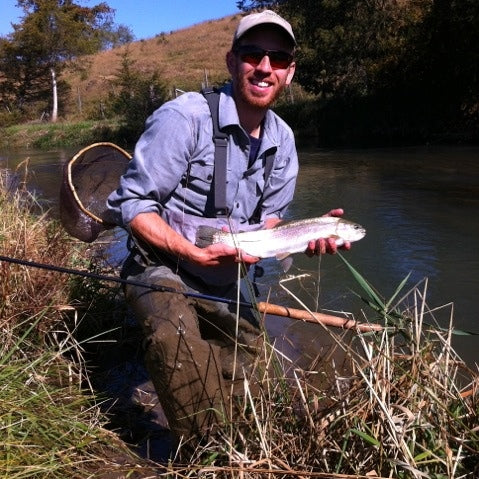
(110, 161)
(117, 279)
(262, 307)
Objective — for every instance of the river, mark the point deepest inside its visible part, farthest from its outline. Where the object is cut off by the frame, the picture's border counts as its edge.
(419, 206)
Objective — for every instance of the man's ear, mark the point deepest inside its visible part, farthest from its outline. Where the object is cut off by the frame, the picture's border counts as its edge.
(231, 62)
(291, 70)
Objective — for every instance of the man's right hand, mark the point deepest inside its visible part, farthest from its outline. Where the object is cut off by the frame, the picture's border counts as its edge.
(220, 254)
(150, 227)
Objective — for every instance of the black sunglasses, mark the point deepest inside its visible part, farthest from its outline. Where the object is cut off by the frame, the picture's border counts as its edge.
(253, 55)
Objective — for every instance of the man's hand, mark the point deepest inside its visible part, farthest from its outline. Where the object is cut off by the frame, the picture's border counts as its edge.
(220, 254)
(150, 227)
(327, 245)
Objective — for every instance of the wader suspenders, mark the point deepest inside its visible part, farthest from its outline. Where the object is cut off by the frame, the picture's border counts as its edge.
(221, 161)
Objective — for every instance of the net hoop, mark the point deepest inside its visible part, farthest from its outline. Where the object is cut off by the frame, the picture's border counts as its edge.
(70, 178)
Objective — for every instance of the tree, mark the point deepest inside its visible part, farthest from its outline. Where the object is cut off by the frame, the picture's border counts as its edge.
(445, 61)
(396, 64)
(344, 45)
(135, 96)
(52, 34)
(22, 79)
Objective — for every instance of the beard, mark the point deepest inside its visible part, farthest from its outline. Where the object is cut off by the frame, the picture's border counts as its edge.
(259, 101)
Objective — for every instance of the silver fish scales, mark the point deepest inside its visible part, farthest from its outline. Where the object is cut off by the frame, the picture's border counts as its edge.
(285, 239)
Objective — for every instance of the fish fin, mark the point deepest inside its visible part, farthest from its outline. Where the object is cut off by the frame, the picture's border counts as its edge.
(206, 236)
(286, 261)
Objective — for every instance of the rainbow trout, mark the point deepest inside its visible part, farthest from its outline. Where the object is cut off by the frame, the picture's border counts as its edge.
(287, 238)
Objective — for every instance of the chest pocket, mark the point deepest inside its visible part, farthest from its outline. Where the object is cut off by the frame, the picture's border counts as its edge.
(197, 184)
(259, 178)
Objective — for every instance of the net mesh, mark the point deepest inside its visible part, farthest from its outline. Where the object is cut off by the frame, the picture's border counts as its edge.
(88, 179)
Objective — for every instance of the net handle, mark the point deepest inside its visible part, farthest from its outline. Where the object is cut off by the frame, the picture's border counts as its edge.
(70, 180)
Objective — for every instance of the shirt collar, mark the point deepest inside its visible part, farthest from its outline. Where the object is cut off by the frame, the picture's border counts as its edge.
(228, 116)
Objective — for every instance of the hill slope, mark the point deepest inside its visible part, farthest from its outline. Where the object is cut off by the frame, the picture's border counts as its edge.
(184, 58)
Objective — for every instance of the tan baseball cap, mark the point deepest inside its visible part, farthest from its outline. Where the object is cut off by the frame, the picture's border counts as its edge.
(262, 18)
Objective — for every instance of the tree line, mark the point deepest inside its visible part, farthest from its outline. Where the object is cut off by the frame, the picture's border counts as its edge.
(388, 70)
(375, 70)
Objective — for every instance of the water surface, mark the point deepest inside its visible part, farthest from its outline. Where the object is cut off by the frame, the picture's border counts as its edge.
(419, 207)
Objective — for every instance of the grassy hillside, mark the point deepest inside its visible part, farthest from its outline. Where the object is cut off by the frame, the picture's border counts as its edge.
(184, 59)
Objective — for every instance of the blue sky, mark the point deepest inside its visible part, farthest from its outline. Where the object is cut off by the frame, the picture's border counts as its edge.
(146, 18)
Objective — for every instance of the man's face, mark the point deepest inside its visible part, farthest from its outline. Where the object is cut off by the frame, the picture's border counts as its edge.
(258, 80)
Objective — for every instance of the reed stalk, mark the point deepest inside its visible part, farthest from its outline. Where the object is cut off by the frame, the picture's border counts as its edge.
(404, 407)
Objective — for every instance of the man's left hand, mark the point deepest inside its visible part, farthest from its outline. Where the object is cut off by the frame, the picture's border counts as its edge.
(327, 245)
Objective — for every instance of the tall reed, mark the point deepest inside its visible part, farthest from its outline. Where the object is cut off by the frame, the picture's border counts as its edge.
(405, 406)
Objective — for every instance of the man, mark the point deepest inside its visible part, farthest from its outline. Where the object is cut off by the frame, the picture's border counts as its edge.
(197, 351)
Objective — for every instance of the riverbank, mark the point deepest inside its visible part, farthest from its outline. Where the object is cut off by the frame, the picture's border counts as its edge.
(336, 131)
(407, 402)
(63, 134)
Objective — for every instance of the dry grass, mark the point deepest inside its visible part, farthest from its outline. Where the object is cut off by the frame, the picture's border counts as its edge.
(50, 422)
(182, 57)
(407, 408)
(28, 292)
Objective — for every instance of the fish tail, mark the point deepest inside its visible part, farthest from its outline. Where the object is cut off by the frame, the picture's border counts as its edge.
(206, 236)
